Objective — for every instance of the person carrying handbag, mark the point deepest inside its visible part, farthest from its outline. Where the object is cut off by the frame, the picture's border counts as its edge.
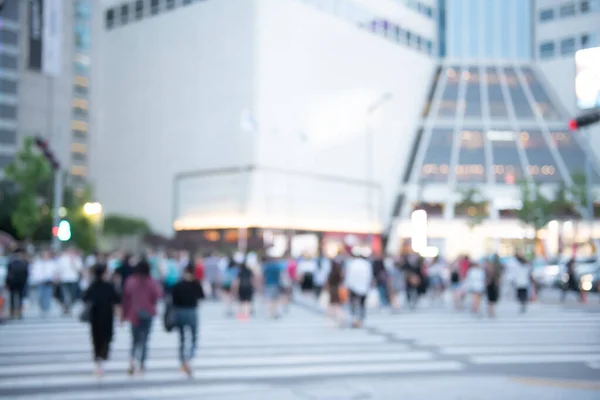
(140, 295)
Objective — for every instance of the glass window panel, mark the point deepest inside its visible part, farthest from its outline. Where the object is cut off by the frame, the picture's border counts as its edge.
(8, 137)
(567, 10)
(594, 5)
(11, 10)
(8, 61)
(495, 95)
(568, 46)
(474, 22)
(547, 50)
(547, 14)
(109, 18)
(8, 112)
(471, 158)
(488, 31)
(8, 86)
(9, 37)
(124, 13)
(524, 43)
(506, 18)
(542, 101)
(448, 104)
(436, 164)
(5, 160)
(570, 152)
(519, 100)
(541, 163)
(473, 93)
(506, 166)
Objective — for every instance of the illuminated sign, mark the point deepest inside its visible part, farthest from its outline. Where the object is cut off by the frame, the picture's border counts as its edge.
(587, 78)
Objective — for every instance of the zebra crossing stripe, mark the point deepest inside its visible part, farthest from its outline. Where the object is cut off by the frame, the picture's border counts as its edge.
(534, 359)
(277, 372)
(220, 362)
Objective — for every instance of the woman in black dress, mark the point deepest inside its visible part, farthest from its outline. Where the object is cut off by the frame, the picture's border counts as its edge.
(334, 285)
(492, 285)
(102, 300)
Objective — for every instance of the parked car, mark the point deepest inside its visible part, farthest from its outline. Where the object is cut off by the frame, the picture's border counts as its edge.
(589, 278)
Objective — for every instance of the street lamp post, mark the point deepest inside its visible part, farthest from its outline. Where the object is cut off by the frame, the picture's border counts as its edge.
(94, 211)
(369, 156)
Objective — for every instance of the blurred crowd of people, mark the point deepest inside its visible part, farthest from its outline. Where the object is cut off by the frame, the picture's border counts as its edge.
(128, 288)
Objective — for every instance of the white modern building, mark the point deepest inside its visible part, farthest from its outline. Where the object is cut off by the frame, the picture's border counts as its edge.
(325, 115)
(284, 114)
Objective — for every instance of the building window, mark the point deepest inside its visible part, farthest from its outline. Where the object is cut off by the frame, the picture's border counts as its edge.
(186, 2)
(170, 4)
(9, 37)
(139, 9)
(79, 170)
(547, 50)
(80, 81)
(567, 46)
(547, 14)
(8, 137)
(110, 18)
(81, 90)
(8, 112)
(79, 126)
(567, 10)
(154, 7)
(8, 87)
(589, 40)
(80, 157)
(594, 5)
(585, 6)
(124, 14)
(5, 160)
(8, 61)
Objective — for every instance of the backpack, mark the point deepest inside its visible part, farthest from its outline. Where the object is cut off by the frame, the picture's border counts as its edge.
(230, 275)
(18, 271)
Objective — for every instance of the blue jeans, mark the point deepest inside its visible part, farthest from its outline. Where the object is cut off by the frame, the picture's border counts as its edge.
(139, 343)
(187, 318)
(45, 292)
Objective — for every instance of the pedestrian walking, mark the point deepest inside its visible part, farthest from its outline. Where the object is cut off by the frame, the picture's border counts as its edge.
(185, 296)
(101, 300)
(475, 286)
(69, 270)
(273, 270)
(358, 280)
(493, 277)
(43, 272)
(523, 281)
(337, 293)
(17, 275)
(140, 296)
(244, 288)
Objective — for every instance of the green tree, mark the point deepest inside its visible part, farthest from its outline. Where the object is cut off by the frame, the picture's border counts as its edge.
(29, 171)
(536, 210)
(578, 192)
(121, 225)
(473, 205)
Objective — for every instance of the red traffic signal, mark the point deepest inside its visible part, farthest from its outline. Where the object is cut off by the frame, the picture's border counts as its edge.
(584, 120)
(42, 144)
(54, 230)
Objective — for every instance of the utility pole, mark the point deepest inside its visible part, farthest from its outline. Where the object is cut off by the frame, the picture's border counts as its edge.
(42, 144)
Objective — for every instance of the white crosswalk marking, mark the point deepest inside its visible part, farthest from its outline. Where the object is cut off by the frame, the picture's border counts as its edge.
(51, 359)
(544, 335)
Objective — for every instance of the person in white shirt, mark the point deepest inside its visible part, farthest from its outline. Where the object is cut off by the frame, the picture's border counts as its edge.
(358, 281)
(322, 274)
(476, 285)
(43, 272)
(69, 268)
(522, 281)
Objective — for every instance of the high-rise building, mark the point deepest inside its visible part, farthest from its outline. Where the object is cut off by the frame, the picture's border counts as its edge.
(329, 115)
(44, 79)
(497, 115)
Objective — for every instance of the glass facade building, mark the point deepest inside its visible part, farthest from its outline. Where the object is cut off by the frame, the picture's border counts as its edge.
(9, 81)
(486, 29)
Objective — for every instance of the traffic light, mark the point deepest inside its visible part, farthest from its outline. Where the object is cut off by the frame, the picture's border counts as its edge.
(42, 144)
(64, 231)
(584, 120)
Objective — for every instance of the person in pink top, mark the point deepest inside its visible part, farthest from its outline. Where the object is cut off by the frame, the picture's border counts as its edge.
(140, 295)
